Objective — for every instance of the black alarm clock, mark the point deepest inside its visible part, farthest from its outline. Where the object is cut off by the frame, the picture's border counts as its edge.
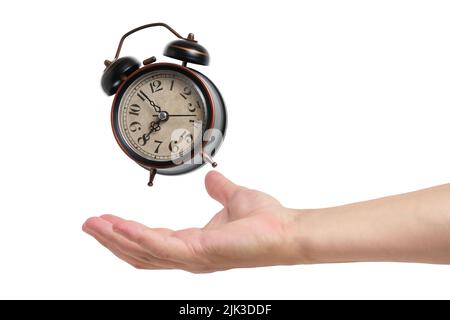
(168, 118)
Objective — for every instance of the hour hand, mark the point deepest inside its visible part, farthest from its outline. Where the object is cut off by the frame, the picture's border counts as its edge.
(154, 127)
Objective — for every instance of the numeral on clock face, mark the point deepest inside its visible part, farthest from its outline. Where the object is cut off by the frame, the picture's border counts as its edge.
(135, 109)
(142, 140)
(186, 92)
(156, 86)
(159, 145)
(141, 94)
(135, 126)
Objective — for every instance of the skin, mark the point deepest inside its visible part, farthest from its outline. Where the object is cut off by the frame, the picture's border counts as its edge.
(253, 229)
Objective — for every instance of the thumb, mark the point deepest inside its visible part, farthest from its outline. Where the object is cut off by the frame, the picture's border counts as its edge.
(219, 187)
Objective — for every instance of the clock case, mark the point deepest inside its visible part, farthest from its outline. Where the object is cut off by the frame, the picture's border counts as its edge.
(215, 117)
(123, 72)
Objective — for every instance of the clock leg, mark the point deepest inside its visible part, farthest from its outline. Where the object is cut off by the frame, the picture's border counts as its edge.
(152, 177)
(208, 159)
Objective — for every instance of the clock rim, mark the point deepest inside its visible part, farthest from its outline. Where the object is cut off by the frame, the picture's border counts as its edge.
(129, 81)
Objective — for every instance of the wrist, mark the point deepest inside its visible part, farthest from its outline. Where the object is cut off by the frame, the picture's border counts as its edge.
(303, 237)
(319, 236)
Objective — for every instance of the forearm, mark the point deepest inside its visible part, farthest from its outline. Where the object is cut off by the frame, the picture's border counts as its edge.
(413, 227)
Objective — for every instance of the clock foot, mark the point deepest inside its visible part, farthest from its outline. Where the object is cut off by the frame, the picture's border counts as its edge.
(208, 159)
(152, 177)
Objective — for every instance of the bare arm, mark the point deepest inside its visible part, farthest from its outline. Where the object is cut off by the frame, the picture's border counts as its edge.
(253, 229)
(412, 227)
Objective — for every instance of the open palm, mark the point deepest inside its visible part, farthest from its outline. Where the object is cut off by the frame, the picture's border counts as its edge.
(252, 229)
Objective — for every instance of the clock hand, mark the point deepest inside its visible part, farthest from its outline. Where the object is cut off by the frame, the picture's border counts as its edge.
(152, 103)
(178, 115)
(154, 126)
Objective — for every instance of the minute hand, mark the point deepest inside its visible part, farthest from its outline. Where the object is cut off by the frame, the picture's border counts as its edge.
(152, 103)
(179, 115)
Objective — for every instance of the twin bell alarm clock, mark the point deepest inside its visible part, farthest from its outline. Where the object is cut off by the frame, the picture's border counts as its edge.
(169, 118)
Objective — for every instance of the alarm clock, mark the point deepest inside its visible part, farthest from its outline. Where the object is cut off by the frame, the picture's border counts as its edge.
(169, 118)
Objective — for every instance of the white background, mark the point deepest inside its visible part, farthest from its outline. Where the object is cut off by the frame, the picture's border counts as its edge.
(329, 102)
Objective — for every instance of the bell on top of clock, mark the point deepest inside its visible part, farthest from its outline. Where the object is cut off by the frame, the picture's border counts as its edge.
(188, 51)
(168, 118)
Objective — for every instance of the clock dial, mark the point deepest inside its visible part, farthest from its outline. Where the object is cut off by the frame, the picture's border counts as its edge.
(162, 115)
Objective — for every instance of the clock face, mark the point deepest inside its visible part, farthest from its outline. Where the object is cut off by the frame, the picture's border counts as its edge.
(162, 115)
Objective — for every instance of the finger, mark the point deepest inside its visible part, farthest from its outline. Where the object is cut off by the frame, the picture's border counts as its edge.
(98, 229)
(111, 218)
(159, 245)
(134, 248)
(103, 228)
(138, 264)
(115, 219)
(118, 253)
(219, 187)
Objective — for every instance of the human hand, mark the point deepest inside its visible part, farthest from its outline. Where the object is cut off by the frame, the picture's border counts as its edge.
(253, 229)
